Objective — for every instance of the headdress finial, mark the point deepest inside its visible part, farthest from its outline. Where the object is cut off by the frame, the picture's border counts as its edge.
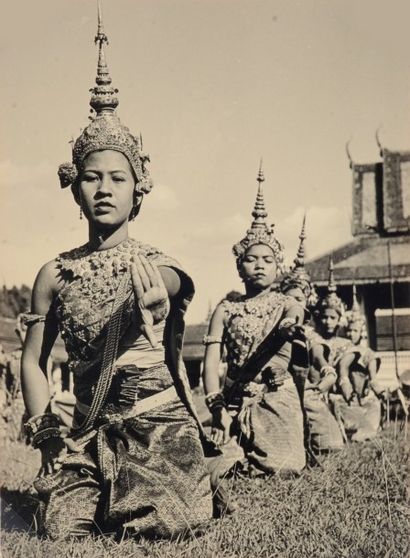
(261, 176)
(103, 97)
(260, 232)
(331, 285)
(298, 277)
(100, 28)
(355, 315)
(331, 300)
(259, 212)
(355, 303)
(300, 255)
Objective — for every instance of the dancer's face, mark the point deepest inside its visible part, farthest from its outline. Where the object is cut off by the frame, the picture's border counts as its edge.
(297, 294)
(354, 333)
(258, 268)
(106, 188)
(329, 320)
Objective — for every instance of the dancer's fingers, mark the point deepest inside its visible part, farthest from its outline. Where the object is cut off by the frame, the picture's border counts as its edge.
(136, 282)
(149, 270)
(142, 272)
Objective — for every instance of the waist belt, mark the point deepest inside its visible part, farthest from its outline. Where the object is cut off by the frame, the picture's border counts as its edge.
(234, 393)
(139, 407)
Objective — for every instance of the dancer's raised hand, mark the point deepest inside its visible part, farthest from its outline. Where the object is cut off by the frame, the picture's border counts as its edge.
(151, 296)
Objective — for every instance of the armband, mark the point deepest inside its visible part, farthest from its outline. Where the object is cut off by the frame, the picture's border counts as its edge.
(30, 319)
(286, 323)
(210, 339)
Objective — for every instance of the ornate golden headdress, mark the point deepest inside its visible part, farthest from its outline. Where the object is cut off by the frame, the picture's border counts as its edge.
(106, 130)
(355, 315)
(331, 299)
(297, 276)
(260, 232)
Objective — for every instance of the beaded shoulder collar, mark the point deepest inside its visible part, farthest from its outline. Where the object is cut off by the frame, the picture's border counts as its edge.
(83, 260)
(249, 303)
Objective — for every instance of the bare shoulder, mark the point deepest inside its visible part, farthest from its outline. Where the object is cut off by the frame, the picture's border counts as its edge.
(49, 274)
(218, 316)
(47, 283)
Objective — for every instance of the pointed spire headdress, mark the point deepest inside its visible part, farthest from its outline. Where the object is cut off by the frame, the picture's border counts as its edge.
(355, 314)
(105, 130)
(298, 277)
(260, 232)
(331, 299)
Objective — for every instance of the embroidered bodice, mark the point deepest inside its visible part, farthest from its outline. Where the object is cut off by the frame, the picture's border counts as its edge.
(363, 357)
(84, 303)
(248, 321)
(336, 346)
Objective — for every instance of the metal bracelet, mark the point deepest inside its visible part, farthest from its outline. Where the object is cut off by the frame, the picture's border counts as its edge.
(45, 434)
(215, 401)
(40, 422)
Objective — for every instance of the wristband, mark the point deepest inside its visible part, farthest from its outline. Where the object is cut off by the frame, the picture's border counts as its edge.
(376, 386)
(215, 401)
(45, 434)
(40, 427)
(328, 370)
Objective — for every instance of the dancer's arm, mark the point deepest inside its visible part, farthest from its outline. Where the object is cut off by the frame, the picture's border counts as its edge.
(39, 341)
(344, 381)
(221, 421)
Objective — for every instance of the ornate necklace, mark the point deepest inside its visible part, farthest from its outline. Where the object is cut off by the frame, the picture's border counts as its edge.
(96, 273)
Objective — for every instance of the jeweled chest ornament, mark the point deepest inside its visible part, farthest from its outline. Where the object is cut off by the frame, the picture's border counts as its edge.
(248, 321)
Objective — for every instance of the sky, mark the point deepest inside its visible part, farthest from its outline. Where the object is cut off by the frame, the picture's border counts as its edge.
(213, 86)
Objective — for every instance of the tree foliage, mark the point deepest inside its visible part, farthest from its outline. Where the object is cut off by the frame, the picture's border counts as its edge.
(14, 301)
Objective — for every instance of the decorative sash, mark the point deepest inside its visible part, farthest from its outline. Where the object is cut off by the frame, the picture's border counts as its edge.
(108, 361)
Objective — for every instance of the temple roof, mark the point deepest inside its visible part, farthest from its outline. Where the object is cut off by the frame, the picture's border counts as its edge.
(364, 260)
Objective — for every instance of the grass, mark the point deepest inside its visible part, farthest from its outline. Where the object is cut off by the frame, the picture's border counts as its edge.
(356, 506)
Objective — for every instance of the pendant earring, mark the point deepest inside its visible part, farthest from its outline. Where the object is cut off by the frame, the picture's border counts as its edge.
(81, 212)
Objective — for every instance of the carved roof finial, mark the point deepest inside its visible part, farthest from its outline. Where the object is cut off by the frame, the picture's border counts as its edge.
(379, 144)
(349, 156)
